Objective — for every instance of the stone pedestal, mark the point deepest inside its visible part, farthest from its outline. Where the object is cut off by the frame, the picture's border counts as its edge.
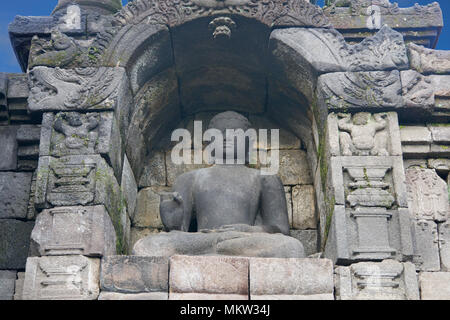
(62, 278)
(387, 280)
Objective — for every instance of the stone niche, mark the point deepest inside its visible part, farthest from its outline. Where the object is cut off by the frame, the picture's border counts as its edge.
(159, 174)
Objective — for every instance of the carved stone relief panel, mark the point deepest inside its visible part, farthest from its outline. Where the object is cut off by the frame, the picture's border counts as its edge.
(54, 89)
(75, 180)
(62, 278)
(74, 230)
(387, 280)
(364, 134)
(427, 194)
(360, 90)
(72, 133)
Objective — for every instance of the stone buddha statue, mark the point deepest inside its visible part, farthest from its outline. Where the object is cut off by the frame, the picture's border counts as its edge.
(238, 211)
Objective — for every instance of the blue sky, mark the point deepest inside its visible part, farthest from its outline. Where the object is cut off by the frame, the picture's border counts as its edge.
(9, 9)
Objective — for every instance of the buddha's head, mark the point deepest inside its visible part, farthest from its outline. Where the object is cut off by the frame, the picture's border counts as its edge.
(230, 120)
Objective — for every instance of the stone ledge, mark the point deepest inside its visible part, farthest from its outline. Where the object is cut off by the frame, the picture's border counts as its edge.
(240, 278)
(294, 279)
(134, 274)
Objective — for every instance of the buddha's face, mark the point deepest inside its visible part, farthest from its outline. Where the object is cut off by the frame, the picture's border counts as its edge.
(228, 123)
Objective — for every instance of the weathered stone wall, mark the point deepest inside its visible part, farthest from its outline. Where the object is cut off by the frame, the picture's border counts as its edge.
(364, 147)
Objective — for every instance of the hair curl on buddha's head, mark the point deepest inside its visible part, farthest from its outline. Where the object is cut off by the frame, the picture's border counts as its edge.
(238, 120)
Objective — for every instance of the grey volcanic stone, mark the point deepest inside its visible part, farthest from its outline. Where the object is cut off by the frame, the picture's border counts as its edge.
(129, 186)
(8, 156)
(387, 280)
(209, 275)
(7, 284)
(154, 173)
(62, 278)
(14, 194)
(74, 230)
(427, 245)
(327, 51)
(19, 286)
(14, 243)
(291, 277)
(133, 296)
(444, 245)
(135, 274)
(304, 207)
(435, 285)
(294, 167)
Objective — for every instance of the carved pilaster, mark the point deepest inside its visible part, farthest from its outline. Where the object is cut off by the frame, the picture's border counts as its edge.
(371, 221)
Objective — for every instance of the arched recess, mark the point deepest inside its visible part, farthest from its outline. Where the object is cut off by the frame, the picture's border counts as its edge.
(178, 69)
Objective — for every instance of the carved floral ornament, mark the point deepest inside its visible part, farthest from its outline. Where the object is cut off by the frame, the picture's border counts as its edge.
(271, 12)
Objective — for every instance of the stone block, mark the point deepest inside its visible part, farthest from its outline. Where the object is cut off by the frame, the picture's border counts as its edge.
(290, 277)
(441, 135)
(435, 285)
(426, 245)
(134, 296)
(316, 297)
(287, 140)
(129, 187)
(387, 280)
(427, 194)
(309, 239)
(417, 90)
(206, 296)
(19, 286)
(73, 133)
(327, 51)
(14, 194)
(288, 192)
(369, 234)
(7, 284)
(62, 278)
(444, 245)
(14, 243)
(440, 165)
(416, 151)
(294, 167)
(135, 274)
(304, 207)
(415, 135)
(28, 133)
(84, 231)
(154, 173)
(18, 86)
(427, 60)
(209, 275)
(147, 211)
(409, 163)
(342, 91)
(81, 180)
(74, 180)
(8, 157)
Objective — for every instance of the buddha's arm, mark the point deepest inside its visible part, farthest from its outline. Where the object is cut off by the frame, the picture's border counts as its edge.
(274, 211)
(176, 213)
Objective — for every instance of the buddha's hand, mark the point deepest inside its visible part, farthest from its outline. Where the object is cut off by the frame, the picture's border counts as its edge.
(171, 210)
